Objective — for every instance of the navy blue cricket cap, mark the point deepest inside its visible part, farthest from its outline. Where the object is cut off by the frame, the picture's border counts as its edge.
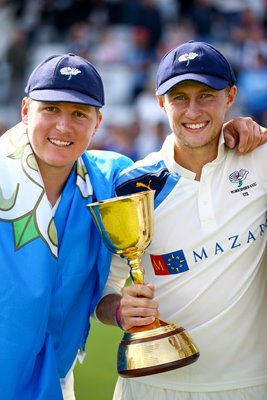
(66, 78)
(194, 61)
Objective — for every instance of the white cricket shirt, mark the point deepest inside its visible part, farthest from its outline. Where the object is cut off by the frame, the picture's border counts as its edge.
(208, 263)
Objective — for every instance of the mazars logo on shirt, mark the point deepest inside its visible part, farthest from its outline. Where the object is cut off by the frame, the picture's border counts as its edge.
(176, 262)
(169, 263)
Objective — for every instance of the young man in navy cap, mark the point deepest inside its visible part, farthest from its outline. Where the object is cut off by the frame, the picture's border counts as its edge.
(53, 263)
(206, 264)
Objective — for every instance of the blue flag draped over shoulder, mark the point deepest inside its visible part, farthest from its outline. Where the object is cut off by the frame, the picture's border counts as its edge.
(52, 268)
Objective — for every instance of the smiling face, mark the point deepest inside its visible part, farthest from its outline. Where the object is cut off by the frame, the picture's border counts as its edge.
(59, 132)
(196, 114)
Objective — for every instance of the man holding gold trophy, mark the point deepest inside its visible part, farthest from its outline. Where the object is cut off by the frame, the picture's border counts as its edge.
(205, 266)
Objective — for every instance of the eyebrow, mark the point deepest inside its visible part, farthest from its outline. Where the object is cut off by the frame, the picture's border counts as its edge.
(76, 105)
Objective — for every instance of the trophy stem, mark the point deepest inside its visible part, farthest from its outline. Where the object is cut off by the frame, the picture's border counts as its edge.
(137, 272)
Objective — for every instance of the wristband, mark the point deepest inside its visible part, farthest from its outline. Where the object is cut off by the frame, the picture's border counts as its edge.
(118, 317)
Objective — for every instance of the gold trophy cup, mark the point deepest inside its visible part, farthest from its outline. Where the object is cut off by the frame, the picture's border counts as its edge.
(126, 226)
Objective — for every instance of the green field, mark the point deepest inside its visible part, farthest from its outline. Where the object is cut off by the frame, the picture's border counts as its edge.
(95, 379)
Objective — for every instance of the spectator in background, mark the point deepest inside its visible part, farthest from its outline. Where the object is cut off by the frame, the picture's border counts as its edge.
(252, 83)
(203, 14)
(16, 57)
(139, 59)
(145, 14)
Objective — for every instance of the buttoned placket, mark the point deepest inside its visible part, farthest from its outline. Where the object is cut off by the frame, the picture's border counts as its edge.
(205, 199)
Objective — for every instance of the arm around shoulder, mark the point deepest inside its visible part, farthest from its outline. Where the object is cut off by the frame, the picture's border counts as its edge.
(244, 133)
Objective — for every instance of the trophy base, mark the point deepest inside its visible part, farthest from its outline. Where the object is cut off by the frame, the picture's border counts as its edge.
(156, 350)
(134, 373)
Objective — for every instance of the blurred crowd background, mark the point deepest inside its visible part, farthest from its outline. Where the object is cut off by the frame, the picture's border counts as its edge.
(125, 39)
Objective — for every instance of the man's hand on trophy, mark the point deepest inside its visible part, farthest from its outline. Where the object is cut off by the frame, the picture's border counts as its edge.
(138, 306)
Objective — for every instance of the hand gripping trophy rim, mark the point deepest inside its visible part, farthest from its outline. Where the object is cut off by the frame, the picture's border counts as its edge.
(126, 224)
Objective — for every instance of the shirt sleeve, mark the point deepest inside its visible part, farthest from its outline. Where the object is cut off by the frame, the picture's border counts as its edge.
(259, 159)
(118, 275)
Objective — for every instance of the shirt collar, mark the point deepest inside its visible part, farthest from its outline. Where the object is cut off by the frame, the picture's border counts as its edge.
(168, 155)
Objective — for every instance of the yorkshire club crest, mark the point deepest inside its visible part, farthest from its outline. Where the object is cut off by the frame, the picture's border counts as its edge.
(69, 72)
(187, 57)
(238, 177)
